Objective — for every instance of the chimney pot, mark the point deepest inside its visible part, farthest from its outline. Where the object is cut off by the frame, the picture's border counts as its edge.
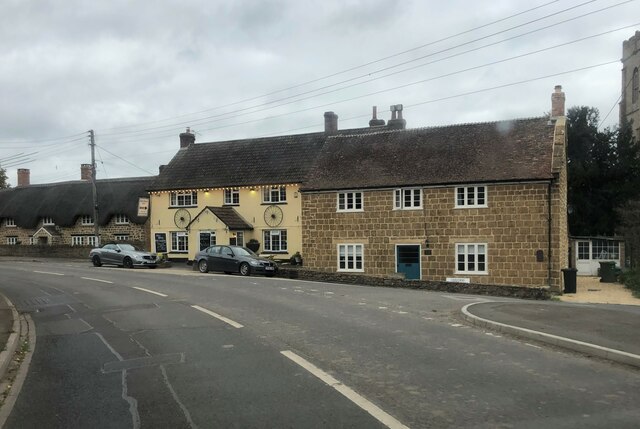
(557, 101)
(375, 122)
(24, 177)
(161, 168)
(396, 122)
(187, 138)
(85, 172)
(330, 123)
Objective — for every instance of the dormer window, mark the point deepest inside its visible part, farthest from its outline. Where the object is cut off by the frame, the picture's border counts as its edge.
(9, 222)
(121, 219)
(86, 220)
(183, 199)
(48, 221)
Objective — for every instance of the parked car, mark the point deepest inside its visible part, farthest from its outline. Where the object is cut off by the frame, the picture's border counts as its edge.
(124, 255)
(234, 259)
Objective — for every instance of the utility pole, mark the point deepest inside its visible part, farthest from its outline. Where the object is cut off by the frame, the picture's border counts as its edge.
(93, 185)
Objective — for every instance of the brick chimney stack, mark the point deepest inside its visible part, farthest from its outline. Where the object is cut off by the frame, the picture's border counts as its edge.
(396, 122)
(375, 122)
(187, 138)
(24, 177)
(557, 102)
(330, 123)
(85, 172)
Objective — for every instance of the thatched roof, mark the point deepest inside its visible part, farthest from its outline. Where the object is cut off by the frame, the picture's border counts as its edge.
(66, 201)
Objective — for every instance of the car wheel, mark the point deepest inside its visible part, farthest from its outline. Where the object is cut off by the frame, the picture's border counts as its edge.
(202, 266)
(96, 261)
(153, 266)
(245, 270)
(127, 262)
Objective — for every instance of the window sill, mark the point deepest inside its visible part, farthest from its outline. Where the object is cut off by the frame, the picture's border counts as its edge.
(471, 207)
(182, 252)
(406, 208)
(350, 211)
(472, 273)
(350, 271)
(274, 252)
(232, 205)
(282, 203)
(183, 207)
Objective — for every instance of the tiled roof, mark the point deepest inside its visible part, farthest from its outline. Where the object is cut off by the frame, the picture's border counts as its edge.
(228, 215)
(257, 161)
(66, 201)
(515, 150)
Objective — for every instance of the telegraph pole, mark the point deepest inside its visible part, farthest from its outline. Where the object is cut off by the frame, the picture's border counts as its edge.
(93, 185)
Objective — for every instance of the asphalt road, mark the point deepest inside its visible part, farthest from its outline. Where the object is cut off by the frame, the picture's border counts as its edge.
(145, 348)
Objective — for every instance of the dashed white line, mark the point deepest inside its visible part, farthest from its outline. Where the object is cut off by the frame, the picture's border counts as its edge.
(96, 280)
(531, 345)
(217, 316)
(150, 291)
(380, 415)
(48, 272)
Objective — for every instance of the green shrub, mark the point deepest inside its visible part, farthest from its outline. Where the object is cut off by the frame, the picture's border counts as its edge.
(631, 280)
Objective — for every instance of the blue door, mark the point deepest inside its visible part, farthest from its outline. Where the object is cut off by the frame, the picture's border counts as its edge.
(408, 261)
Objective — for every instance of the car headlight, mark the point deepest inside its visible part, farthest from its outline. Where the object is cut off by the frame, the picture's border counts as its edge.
(255, 263)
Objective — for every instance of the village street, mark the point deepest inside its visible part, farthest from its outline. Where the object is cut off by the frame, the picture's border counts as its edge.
(170, 348)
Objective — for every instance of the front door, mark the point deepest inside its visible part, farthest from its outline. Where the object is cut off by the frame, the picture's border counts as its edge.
(408, 261)
(583, 259)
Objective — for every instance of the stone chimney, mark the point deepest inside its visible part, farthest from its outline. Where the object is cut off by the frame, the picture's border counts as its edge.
(24, 177)
(161, 168)
(85, 172)
(396, 122)
(375, 122)
(187, 138)
(330, 123)
(557, 102)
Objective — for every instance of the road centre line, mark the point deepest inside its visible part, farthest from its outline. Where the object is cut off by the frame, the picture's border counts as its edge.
(380, 415)
(96, 280)
(150, 291)
(48, 272)
(217, 316)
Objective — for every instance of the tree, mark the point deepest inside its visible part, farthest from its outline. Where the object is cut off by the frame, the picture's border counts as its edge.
(603, 173)
(3, 179)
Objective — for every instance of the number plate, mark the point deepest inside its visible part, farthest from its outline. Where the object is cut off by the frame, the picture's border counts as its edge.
(268, 268)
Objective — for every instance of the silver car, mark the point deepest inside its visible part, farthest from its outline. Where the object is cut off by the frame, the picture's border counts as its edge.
(124, 255)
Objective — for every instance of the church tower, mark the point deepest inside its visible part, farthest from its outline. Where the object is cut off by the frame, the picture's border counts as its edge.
(630, 102)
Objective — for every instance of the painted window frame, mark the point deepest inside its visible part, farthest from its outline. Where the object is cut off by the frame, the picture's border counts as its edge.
(12, 241)
(274, 195)
(475, 260)
(238, 235)
(475, 196)
(121, 219)
(48, 221)
(86, 220)
(10, 222)
(179, 242)
(189, 199)
(231, 197)
(400, 198)
(342, 199)
(213, 238)
(268, 241)
(350, 257)
(121, 237)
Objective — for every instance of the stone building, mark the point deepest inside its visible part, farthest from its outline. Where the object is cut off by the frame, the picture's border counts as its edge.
(480, 203)
(630, 102)
(62, 213)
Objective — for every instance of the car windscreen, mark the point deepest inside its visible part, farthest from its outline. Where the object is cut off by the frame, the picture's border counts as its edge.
(243, 251)
(127, 247)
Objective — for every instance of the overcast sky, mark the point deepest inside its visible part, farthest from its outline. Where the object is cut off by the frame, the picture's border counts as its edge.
(138, 73)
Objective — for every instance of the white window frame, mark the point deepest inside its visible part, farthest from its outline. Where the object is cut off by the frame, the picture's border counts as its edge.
(179, 242)
(121, 237)
(86, 220)
(231, 197)
(400, 198)
(189, 199)
(468, 250)
(466, 191)
(350, 257)
(9, 222)
(92, 240)
(239, 238)
(77, 240)
(347, 201)
(268, 240)
(12, 241)
(274, 195)
(48, 221)
(121, 219)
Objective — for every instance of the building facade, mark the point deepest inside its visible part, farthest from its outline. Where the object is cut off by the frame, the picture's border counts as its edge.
(478, 203)
(630, 102)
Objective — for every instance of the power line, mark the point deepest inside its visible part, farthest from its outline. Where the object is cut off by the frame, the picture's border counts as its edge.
(122, 159)
(43, 140)
(346, 70)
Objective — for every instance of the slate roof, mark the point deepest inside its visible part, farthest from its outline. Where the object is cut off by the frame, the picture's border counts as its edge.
(257, 161)
(228, 215)
(516, 150)
(66, 201)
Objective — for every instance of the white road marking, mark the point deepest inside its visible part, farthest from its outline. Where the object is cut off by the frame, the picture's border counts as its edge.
(329, 293)
(313, 290)
(455, 325)
(283, 288)
(380, 415)
(401, 312)
(531, 345)
(49, 272)
(150, 291)
(217, 316)
(298, 290)
(382, 308)
(362, 303)
(465, 298)
(96, 280)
